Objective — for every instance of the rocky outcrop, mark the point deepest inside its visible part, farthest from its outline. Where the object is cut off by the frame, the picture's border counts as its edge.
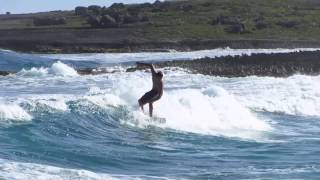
(4, 73)
(94, 21)
(115, 20)
(108, 21)
(277, 65)
(236, 28)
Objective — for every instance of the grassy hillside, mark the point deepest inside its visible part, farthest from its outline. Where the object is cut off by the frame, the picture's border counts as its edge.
(198, 19)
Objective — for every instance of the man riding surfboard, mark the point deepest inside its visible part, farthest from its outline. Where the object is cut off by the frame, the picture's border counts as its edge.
(157, 88)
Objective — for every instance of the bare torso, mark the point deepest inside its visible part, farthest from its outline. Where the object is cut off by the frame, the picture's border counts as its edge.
(157, 84)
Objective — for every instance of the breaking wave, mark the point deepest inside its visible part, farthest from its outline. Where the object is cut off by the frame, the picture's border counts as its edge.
(209, 111)
(13, 112)
(295, 95)
(57, 69)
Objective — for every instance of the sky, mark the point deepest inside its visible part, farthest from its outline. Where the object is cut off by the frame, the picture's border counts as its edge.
(28, 6)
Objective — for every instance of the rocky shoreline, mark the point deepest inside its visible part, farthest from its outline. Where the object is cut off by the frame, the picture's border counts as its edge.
(273, 65)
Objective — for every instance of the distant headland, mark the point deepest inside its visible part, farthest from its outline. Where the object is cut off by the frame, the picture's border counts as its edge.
(158, 26)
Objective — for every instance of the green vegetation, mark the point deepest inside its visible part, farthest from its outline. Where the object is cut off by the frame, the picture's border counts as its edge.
(292, 19)
(180, 20)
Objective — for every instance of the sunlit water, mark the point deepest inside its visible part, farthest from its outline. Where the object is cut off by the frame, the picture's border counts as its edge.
(55, 124)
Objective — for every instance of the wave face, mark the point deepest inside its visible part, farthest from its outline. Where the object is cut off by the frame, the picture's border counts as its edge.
(56, 124)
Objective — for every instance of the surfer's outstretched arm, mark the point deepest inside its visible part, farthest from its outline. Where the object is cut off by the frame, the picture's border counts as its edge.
(147, 65)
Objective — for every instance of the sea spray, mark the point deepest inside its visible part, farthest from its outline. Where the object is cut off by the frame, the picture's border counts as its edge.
(13, 112)
(58, 69)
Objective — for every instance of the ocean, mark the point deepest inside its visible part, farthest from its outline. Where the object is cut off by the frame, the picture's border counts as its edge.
(56, 124)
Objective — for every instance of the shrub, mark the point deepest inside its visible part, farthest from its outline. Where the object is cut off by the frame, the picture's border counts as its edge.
(81, 11)
(95, 9)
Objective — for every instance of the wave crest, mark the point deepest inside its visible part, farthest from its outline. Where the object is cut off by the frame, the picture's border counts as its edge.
(57, 69)
(13, 112)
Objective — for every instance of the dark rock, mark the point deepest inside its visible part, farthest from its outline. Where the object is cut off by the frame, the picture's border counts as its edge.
(261, 25)
(8, 13)
(108, 21)
(4, 73)
(94, 21)
(81, 11)
(277, 65)
(288, 24)
(48, 21)
(115, 13)
(259, 18)
(236, 28)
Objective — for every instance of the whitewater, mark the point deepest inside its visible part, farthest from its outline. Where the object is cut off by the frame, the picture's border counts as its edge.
(57, 124)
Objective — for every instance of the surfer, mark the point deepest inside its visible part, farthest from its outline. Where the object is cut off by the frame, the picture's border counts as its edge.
(157, 88)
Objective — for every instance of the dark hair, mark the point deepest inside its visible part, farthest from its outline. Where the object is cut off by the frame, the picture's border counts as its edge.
(160, 74)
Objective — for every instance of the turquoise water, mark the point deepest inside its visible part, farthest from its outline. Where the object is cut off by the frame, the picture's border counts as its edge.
(55, 124)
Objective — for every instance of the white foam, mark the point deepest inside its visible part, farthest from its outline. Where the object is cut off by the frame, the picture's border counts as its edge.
(190, 102)
(56, 104)
(30, 171)
(62, 69)
(39, 72)
(165, 56)
(13, 112)
(57, 69)
(105, 100)
(211, 111)
(296, 95)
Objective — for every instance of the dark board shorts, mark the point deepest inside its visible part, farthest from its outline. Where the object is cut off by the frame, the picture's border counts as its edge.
(149, 97)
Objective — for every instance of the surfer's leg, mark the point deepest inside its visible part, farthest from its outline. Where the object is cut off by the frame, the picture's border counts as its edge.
(146, 98)
(141, 105)
(150, 109)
